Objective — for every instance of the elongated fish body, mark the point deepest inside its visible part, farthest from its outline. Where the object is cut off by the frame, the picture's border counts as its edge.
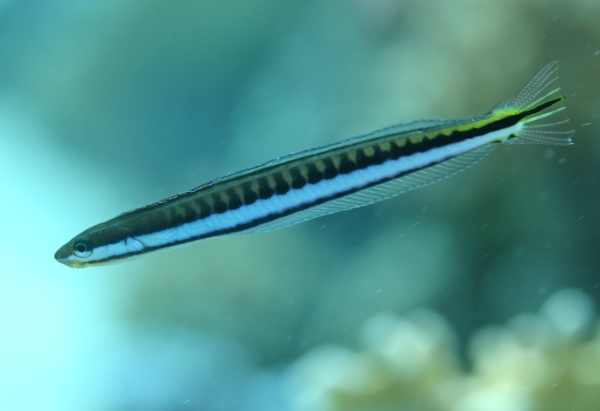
(325, 180)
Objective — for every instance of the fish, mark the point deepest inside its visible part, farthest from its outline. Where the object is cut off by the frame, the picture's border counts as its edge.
(340, 176)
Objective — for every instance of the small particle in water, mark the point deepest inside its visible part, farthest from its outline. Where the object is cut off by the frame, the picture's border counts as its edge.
(586, 124)
(550, 153)
(378, 291)
(597, 53)
(562, 160)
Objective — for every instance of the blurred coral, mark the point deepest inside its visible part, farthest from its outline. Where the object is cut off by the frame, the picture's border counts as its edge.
(547, 361)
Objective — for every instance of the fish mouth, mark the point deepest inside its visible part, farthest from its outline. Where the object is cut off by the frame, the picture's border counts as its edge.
(64, 257)
(68, 262)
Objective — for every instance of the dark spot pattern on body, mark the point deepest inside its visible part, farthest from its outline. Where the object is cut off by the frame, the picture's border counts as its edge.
(220, 206)
(249, 195)
(281, 186)
(298, 180)
(314, 175)
(235, 201)
(330, 170)
(264, 190)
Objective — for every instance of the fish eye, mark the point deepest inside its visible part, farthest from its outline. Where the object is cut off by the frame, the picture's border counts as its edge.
(81, 248)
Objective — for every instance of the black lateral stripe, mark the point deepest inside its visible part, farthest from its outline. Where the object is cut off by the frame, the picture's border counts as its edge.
(539, 108)
(506, 122)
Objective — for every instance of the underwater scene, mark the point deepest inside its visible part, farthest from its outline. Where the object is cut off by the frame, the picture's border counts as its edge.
(480, 292)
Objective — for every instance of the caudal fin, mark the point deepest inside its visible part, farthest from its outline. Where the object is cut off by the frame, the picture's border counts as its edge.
(541, 105)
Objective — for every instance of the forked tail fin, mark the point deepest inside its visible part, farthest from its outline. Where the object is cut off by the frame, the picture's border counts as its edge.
(541, 108)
